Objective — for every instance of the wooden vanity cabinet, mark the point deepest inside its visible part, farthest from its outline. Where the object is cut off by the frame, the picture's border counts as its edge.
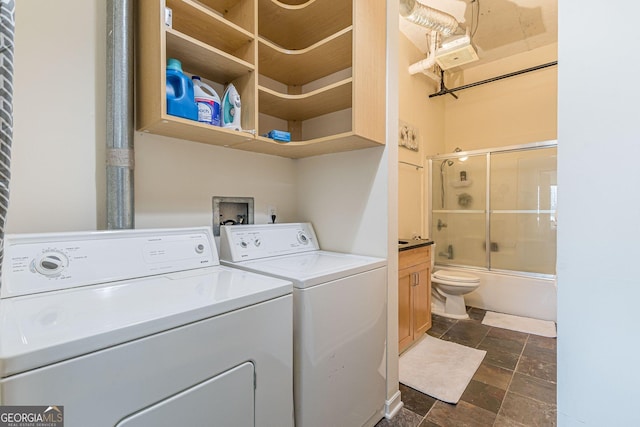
(414, 295)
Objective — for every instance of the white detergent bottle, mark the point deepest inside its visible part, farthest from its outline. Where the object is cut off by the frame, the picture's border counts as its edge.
(208, 102)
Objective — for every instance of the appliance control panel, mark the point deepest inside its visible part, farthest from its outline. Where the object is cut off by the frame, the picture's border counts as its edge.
(35, 263)
(255, 241)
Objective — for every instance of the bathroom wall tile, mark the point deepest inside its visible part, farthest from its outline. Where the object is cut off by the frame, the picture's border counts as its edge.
(467, 333)
(416, 401)
(528, 411)
(484, 396)
(462, 414)
(493, 375)
(535, 388)
(404, 418)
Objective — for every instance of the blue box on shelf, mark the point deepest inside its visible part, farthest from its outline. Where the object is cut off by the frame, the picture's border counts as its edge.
(278, 135)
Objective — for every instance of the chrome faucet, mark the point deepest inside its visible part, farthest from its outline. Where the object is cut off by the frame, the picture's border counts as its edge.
(441, 225)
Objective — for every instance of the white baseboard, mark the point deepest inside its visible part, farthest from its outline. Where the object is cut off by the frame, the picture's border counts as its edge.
(393, 406)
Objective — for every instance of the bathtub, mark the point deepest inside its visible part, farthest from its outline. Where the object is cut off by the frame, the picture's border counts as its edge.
(513, 294)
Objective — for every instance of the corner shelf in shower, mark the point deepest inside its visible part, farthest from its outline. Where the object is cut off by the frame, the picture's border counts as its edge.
(460, 184)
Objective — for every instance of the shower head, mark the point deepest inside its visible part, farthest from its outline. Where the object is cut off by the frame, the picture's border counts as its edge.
(447, 162)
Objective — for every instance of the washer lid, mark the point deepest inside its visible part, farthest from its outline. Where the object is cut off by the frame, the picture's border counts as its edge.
(455, 276)
(45, 328)
(311, 268)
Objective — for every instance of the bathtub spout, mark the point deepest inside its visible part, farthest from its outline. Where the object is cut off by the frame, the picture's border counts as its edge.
(448, 254)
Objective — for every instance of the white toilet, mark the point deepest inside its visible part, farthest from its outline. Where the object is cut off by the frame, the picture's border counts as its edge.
(448, 289)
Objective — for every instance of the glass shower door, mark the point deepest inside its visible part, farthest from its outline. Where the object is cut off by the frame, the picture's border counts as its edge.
(458, 206)
(523, 203)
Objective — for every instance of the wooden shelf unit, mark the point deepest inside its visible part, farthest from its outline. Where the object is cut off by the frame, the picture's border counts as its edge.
(298, 25)
(294, 43)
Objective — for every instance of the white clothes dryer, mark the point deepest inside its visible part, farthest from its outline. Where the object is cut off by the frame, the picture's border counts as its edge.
(143, 328)
(339, 323)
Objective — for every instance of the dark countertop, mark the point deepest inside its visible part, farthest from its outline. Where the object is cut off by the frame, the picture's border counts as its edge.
(407, 244)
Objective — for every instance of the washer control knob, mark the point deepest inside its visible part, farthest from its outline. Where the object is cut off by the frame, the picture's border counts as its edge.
(302, 238)
(199, 248)
(257, 242)
(51, 263)
(244, 244)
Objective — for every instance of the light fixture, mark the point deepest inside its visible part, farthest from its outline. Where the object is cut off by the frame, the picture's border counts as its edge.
(462, 159)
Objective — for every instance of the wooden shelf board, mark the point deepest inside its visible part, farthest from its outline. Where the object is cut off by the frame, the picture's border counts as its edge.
(334, 97)
(206, 61)
(199, 22)
(297, 26)
(315, 147)
(177, 127)
(298, 67)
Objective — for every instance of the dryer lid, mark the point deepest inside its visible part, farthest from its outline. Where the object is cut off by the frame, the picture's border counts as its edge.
(455, 276)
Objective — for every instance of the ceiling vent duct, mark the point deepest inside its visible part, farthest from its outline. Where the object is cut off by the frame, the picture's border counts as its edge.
(428, 17)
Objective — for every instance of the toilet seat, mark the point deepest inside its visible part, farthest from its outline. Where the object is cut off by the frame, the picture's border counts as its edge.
(455, 277)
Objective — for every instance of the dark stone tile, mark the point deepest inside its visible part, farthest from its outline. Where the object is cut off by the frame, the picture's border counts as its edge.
(506, 422)
(540, 354)
(539, 369)
(416, 401)
(404, 418)
(528, 411)
(476, 313)
(543, 342)
(440, 325)
(534, 388)
(461, 415)
(500, 358)
(507, 334)
(484, 396)
(426, 423)
(493, 375)
(466, 333)
(503, 344)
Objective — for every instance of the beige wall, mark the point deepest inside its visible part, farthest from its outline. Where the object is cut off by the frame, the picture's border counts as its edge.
(512, 111)
(517, 110)
(427, 116)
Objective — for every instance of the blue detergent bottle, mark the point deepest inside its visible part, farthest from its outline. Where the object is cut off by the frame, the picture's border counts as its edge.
(180, 97)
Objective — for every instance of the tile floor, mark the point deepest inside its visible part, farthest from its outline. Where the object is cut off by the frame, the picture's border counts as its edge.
(514, 386)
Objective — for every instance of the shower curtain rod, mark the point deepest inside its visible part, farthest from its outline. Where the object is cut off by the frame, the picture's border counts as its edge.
(445, 91)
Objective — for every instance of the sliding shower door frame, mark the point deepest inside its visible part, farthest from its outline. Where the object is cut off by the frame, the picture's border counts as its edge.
(488, 209)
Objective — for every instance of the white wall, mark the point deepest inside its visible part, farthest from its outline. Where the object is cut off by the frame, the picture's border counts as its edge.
(175, 181)
(599, 216)
(58, 115)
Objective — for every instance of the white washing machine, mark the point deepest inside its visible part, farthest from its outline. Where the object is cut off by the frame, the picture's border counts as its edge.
(143, 328)
(339, 323)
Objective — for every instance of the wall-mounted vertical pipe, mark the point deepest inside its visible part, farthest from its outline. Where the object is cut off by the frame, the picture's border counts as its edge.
(120, 154)
(7, 30)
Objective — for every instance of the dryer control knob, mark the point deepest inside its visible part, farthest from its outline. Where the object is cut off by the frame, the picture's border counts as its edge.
(244, 244)
(51, 263)
(302, 238)
(257, 242)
